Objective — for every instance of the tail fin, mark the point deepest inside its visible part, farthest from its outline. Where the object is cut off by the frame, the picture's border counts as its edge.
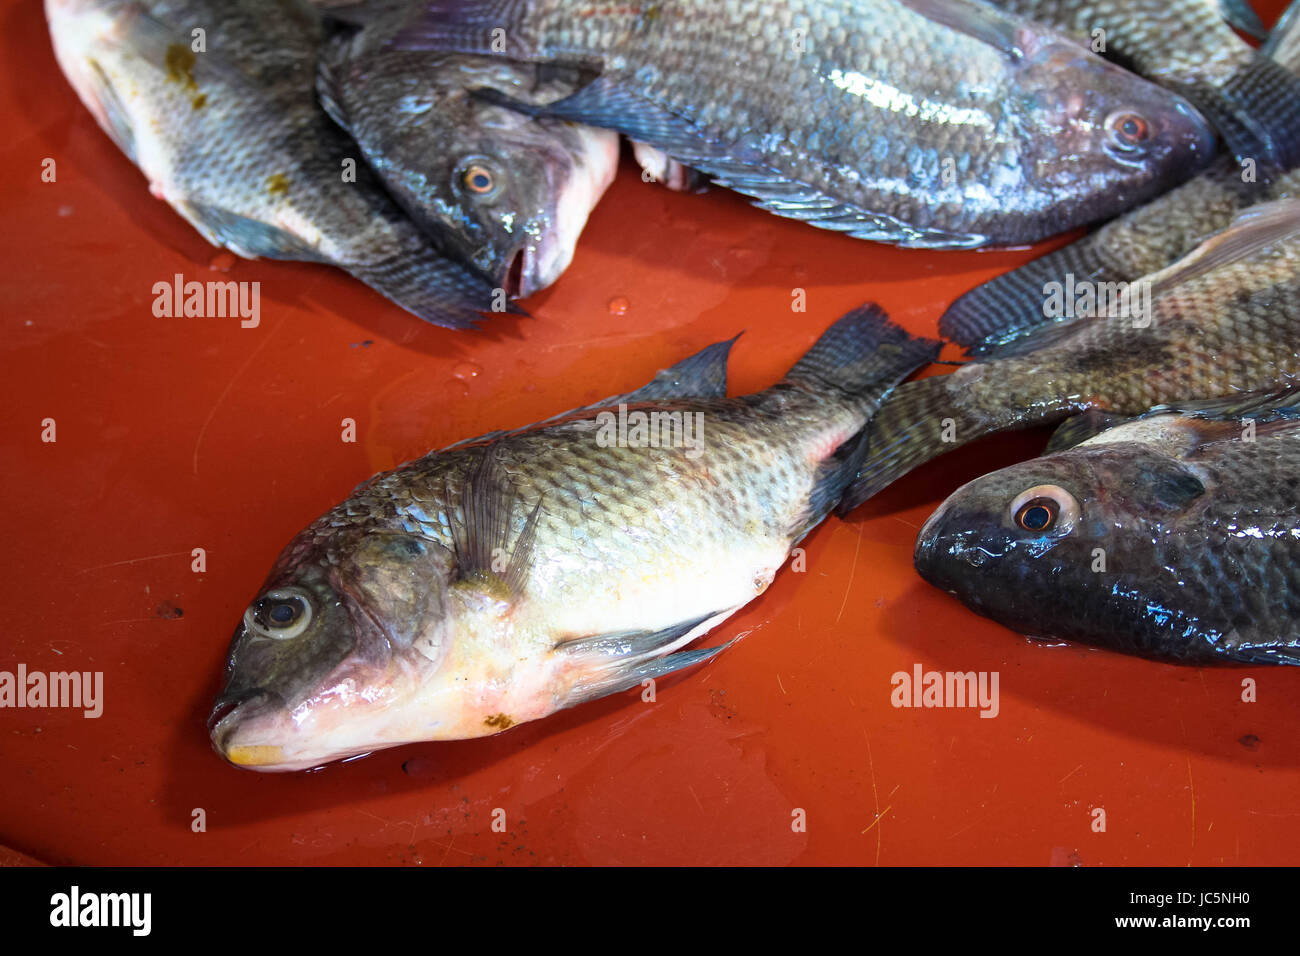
(863, 354)
(918, 422)
(1011, 304)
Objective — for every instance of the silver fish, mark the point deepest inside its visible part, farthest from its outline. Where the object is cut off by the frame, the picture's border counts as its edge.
(230, 135)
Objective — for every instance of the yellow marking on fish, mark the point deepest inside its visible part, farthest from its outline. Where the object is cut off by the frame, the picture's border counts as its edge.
(499, 721)
(180, 65)
(258, 755)
(180, 62)
(277, 184)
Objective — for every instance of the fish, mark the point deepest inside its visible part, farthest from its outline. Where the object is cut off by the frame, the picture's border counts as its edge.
(506, 577)
(1188, 46)
(1175, 536)
(231, 137)
(504, 192)
(1223, 319)
(1142, 241)
(925, 123)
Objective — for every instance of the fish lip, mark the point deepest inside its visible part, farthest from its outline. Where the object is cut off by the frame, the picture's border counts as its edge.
(228, 713)
(1199, 138)
(518, 281)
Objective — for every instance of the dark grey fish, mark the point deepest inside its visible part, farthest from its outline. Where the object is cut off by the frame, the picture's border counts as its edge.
(1188, 46)
(510, 576)
(1174, 537)
(1140, 242)
(937, 123)
(505, 192)
(1223, 319)
(232, 138)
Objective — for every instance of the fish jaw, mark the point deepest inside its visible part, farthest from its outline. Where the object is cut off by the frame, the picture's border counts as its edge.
(577, 190)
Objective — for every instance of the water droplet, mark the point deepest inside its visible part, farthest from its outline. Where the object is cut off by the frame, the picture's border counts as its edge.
(619, 305)
(222, 262)
(467, 371)
(65, 211)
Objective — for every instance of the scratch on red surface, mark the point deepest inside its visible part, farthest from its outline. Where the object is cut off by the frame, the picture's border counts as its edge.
(852, 571)
(148, 557)
(875, 796)
(231, 384)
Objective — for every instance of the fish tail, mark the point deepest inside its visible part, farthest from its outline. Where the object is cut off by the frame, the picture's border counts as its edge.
(436, 289)
(1257, 112)
(1007, 306)
(863, 354)
(466, 26)
(917, 422)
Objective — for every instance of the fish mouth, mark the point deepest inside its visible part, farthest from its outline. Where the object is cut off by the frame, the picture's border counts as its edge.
(229, 715)
(518, 282)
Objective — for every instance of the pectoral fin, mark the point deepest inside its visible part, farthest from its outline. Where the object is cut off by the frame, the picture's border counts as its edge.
(616, 662)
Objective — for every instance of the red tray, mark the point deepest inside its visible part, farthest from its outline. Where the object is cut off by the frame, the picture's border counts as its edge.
(174, 434)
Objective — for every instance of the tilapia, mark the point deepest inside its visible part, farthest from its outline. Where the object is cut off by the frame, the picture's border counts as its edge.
(1188, 46)
(1143, 241)
(1175, 536)
(934, 123)
(509, 576)
(1223, 319)
(505, 192)
(214, 102)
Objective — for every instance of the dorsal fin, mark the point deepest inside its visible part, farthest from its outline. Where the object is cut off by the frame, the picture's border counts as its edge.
(702, 375)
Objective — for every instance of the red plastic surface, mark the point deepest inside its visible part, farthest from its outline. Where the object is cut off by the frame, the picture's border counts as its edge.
(181, 433)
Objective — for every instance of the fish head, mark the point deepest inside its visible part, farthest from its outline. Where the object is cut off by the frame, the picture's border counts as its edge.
(1103, 136)
(507, 193)
(1040, 546)
(336, 655)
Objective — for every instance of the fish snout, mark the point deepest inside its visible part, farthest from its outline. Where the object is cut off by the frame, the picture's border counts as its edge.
(229, 714)
(1188, 133)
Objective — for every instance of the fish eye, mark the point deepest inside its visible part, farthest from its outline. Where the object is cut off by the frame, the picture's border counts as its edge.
(282, 613)
(478, 179)
(1045, 509)
(1128, 130)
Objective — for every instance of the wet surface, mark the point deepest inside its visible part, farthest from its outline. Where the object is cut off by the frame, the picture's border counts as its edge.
(182, 433)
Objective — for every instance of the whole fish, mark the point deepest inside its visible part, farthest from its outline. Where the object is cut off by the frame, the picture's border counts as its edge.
(1139, 242)
(1223, 319)
(1175, 537)
(1188, 46)
(231, 137)
(510, 576)
(935, 123)
(507, 193)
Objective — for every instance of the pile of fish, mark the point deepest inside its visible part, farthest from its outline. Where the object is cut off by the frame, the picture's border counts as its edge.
(930, 123)
(449, 152)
